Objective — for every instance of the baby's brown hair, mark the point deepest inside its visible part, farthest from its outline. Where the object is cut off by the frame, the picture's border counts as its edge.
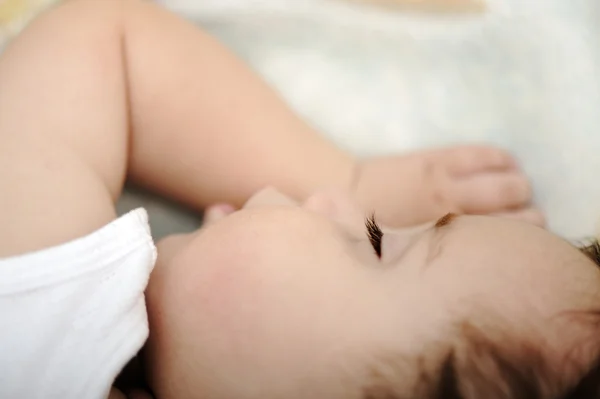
(500, 366)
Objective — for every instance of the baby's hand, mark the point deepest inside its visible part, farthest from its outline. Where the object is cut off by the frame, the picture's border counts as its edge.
(422, 186)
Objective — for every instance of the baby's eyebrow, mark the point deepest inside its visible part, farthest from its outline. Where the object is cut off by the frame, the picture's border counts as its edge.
(435, 244)
(591, 250)
(445, 220)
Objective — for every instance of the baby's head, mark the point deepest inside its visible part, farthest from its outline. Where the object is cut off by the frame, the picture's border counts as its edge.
(286, 301)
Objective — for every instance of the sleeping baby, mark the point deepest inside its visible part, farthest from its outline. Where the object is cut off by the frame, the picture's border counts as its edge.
(293, 300)
(300, 290)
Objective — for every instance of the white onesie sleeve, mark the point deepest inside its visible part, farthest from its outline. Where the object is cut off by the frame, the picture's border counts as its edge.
(72, 316)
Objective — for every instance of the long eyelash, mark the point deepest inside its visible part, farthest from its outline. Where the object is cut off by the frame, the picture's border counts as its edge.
(374, 233)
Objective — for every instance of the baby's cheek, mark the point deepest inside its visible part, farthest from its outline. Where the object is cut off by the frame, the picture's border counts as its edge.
(230, 292)
(232, 295)
(207, 308)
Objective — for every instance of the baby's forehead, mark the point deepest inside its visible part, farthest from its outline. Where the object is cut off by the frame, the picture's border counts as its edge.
(510, 264)
(493, 241)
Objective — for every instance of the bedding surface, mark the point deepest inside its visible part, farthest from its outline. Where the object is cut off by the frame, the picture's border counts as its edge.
(523, 75)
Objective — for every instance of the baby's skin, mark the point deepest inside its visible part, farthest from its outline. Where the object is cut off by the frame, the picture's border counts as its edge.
(287, 299)
(288, 296)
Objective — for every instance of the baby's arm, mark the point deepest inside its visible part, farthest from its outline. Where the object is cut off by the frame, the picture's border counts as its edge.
(91, 92)
(95, 90)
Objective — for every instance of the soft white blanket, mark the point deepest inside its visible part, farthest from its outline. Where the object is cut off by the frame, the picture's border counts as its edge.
(523, 75)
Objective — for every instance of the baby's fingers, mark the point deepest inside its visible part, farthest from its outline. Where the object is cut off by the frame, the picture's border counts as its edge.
(529, 215)
(467, 160)
(492, 192)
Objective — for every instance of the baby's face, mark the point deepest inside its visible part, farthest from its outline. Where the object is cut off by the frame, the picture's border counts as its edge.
(286, 300)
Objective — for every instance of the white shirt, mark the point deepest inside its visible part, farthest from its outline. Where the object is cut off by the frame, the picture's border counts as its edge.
(72, 316)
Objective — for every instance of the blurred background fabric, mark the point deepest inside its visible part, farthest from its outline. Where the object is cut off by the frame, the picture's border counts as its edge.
(522, 74)
(15, 14)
